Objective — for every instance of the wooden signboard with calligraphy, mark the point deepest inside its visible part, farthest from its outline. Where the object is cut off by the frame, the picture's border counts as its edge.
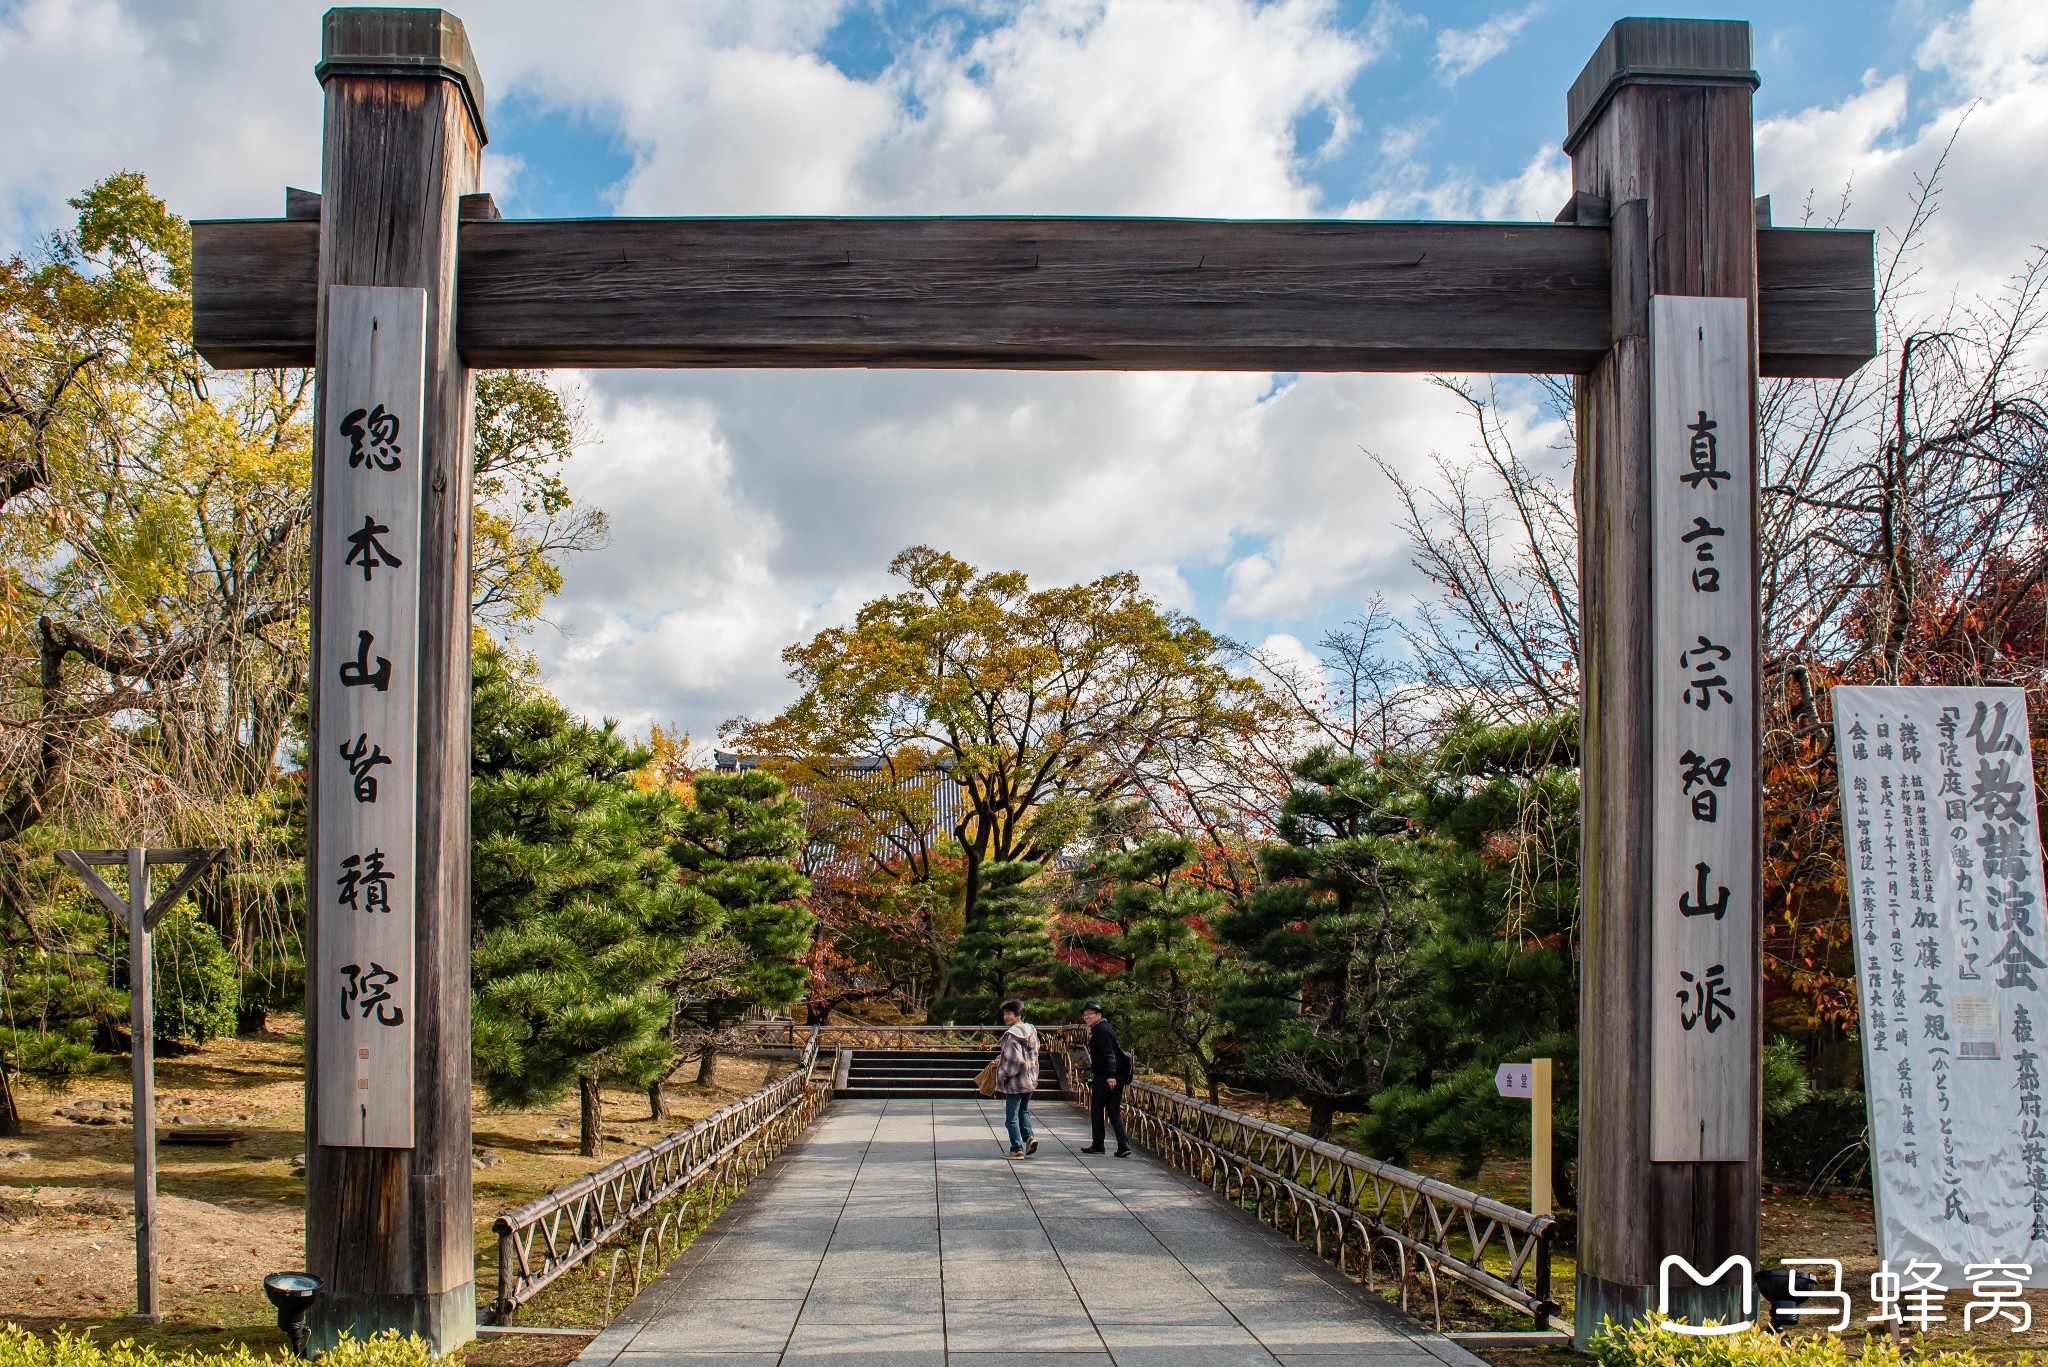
(1702, 933)
(367, 561)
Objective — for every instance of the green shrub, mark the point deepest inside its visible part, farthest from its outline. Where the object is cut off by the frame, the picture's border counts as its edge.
(20, 1348)
(1643, 1346)
(1819, 1140)
(197, 987)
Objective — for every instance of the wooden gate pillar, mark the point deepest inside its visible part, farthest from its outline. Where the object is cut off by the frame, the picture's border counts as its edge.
(390, 1229)
(1661, 139)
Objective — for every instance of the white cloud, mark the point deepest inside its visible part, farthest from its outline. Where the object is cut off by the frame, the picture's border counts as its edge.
(759, 507)
(1287, 652)
(1091, 106)
(1983, 83)
(1460, 52)
(214, 101)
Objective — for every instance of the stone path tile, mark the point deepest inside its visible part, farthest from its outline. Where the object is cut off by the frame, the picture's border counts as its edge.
(896, 1234)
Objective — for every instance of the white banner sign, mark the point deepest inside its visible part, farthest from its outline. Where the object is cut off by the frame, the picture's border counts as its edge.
(1943, 852)
(1702, 940)
(1515, 1079)
(367, 563)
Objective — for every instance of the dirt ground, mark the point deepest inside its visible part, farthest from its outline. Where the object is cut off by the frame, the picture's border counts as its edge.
(227, 1216)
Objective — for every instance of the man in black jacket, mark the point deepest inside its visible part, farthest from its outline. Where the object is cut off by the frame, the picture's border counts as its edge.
(1109, 1070)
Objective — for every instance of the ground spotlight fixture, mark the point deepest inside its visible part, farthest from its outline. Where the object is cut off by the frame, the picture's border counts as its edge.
(293, 1294)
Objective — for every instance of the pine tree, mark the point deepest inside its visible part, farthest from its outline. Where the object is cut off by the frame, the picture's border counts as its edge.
(1324, 994)
(1096, 956)
(579, 912)
(1005, 950)
(1496, 859)
(61, 1015)
(1155, 923)
(737, 847)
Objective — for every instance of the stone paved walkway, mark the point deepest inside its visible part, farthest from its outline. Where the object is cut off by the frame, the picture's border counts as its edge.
(896, 1235)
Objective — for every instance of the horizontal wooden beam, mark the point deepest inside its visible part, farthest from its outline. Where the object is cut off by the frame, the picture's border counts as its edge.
(184, 855)
(1029, 294)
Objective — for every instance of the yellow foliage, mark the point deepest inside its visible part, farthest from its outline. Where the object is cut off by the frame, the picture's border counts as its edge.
(1646, 1346)
(20, 1348)
(668, 766)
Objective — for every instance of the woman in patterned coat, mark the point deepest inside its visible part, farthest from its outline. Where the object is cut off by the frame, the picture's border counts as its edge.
(1017, 1078)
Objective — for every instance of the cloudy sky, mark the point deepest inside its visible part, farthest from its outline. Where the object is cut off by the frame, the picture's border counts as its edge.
(749, 509)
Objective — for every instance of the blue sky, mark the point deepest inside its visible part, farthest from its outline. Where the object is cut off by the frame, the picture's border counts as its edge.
(751, 509)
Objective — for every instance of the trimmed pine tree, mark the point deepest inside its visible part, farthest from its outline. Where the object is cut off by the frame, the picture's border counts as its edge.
(1496, 858)
(1005, 950)
(1176, 969)
(737, 848)
(1324, 994)
(579, 913)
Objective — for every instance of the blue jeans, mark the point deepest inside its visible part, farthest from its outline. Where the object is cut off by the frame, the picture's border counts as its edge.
(1017, 1115)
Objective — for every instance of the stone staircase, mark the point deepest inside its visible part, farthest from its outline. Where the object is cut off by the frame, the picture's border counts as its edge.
(916, 1074)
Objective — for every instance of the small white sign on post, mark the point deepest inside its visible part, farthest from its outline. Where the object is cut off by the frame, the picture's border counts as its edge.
(1531, 1082)
(366, 566)
(1943, 853)
(1703, 768)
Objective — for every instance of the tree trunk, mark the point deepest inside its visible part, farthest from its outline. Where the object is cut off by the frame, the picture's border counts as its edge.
(707, 1062)
(657, 1108)
(1322, 1112)
(251, 1019)
(1563, 1191)
(591, 1142)
(971, 891)
(10, 1114)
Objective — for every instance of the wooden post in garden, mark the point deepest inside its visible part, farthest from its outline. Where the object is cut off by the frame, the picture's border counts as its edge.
(1661, 147)
(388, 1213)
(140, 916)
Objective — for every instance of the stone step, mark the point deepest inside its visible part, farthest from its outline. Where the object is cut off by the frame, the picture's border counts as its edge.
(921, 1074)
(851, 1092)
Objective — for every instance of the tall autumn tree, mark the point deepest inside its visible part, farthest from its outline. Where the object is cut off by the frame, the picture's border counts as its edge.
(179, 600)
(155, 519)
(1039, 703)
(579, 914)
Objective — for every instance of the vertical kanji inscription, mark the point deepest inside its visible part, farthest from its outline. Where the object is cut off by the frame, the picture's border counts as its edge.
(1703, 604)
(366, 715)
